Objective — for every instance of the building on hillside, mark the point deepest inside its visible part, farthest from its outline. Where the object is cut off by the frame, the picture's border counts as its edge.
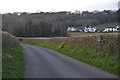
(118, 28)
(112, 29)
(90, 29)
(100, 30)
(80, 30)
(71, 29)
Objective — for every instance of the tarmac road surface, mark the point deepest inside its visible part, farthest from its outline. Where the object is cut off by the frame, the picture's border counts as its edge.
(45, 63)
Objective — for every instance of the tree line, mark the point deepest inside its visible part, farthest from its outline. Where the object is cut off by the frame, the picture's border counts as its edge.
(42, 29)
(47, 24)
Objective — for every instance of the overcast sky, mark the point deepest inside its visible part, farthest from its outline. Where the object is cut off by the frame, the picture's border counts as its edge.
(57, 5)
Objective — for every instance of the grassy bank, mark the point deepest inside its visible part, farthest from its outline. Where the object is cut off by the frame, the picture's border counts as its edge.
(105, 61)
(12, 62)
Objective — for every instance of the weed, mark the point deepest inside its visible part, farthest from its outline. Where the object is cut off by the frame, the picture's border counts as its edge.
(12, 62)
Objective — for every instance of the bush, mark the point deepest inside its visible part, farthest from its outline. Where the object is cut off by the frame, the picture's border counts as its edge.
(12, 60)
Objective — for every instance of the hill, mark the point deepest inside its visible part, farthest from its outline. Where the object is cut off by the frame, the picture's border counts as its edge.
(103, 26)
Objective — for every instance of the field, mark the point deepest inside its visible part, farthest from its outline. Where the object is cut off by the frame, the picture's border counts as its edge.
(82, 33)
(85, 48)
(103, 26)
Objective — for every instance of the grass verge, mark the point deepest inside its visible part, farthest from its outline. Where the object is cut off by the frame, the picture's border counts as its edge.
(12, 62)
(82, 33)
(104, 61)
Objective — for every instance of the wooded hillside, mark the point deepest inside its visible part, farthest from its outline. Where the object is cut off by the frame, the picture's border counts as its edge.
(53, 23)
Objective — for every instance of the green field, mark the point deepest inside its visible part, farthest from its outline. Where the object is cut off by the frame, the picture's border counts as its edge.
(103, 26)
(12, 60)
(81, 33)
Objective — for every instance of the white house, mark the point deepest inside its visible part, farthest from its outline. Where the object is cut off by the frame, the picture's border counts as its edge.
(112, 29)
(80, 30)
(71, 29)
(109, 29)
(90, 29)
(118, 28)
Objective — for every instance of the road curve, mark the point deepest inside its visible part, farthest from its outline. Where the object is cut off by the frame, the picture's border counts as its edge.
(45, 63)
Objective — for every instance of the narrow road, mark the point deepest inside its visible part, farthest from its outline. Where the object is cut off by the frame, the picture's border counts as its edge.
(45, 63)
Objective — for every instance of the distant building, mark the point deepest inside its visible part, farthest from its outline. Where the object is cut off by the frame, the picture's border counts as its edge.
(71, 29)
(118, 28)
(90, 29)
(80, 30)
(112, 29)
(100, 30)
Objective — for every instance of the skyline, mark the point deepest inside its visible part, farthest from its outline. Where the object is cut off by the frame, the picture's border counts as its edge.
(55, 5)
